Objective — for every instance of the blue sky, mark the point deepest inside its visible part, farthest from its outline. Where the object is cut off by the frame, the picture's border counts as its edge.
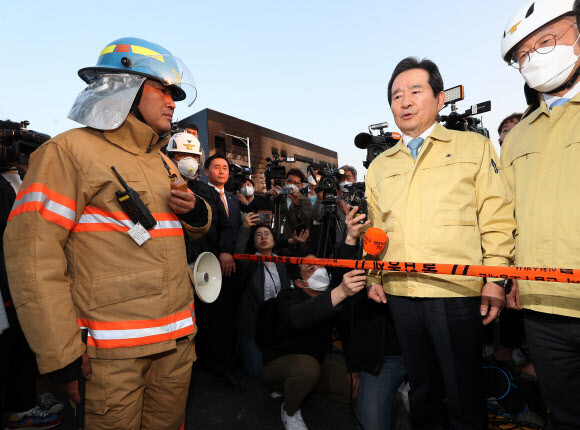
(316, 70)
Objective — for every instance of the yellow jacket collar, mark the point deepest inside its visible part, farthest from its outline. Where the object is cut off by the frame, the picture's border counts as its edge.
(136, 137)
(441, 133)
(438, 133)
(543, 109)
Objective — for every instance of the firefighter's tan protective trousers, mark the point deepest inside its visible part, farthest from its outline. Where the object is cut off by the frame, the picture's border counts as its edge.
(140, 393)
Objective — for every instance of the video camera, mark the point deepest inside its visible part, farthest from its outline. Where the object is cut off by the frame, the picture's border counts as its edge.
(238, 175)
(376, 144)
(328, 182)
(17, 143)
(356, 197)
(464, 121)
(274, 173)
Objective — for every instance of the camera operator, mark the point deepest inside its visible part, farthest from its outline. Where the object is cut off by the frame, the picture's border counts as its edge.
(348, 178)
(540, 158)
(440, 196)
(246, 195)
(295, 208)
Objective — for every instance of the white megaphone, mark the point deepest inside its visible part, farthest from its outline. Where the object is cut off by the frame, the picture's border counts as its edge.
(207, 277)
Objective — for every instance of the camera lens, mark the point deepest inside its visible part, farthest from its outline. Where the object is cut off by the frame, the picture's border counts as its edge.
(326, 183)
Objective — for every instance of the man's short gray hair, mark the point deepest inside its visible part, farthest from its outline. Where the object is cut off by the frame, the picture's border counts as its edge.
(350, 169)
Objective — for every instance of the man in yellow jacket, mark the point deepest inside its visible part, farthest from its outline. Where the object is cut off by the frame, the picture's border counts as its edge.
(78, 259)
(541, 158)
(441, 197)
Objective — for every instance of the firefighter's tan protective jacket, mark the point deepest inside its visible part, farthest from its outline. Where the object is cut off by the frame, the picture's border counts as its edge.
(71, 262)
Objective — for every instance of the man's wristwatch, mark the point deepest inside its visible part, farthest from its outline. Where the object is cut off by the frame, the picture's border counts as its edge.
(506, 284)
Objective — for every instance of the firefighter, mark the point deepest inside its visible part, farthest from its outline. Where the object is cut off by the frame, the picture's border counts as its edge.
(77, 258)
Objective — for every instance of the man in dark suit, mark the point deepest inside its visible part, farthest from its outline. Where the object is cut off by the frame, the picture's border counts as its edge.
(215, 339)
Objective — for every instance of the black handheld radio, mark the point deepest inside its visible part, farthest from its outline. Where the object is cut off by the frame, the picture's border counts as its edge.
(133, 206)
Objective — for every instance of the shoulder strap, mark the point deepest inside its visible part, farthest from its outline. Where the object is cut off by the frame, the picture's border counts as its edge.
(171, 170)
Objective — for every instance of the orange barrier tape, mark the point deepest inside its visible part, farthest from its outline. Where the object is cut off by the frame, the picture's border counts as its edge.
(571, 276)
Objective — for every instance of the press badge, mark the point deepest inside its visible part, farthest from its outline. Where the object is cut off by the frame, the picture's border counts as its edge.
(139, 234)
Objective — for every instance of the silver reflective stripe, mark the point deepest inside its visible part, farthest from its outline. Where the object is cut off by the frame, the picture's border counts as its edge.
(37, 196)
(142, 332)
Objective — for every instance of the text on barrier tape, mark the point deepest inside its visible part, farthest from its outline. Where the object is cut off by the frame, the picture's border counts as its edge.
(571, 276)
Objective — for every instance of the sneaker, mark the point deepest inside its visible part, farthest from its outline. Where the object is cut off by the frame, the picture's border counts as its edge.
(35, 418)
(48, 403)
(294, 422)
(275, 395)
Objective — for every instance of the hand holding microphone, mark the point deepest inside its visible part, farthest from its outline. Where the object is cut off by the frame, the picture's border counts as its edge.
(374, 243)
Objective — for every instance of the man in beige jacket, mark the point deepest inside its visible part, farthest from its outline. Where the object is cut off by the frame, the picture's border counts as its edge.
(441, 197)
(541, 157)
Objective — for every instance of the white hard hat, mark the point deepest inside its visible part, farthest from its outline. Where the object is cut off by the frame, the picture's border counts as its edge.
(530, 17)
(184, 142)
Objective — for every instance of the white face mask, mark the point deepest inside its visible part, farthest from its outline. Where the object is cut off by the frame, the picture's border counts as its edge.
(292, 187)
(247, 191)
(188, 167)
(319, 280)
(311, 180)
(546, 72)
(343, 186)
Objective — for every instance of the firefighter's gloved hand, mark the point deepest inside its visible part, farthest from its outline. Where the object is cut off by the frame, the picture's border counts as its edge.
(180, 202)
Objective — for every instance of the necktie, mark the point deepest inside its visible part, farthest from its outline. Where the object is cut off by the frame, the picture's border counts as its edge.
(225, 201)
(559, 102)
(414, 146)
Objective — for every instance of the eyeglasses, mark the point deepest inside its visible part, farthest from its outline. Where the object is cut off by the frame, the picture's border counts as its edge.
(544, 45)
(264, 234)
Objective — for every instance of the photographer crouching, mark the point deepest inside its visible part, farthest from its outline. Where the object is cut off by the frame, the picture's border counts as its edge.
(295, 331)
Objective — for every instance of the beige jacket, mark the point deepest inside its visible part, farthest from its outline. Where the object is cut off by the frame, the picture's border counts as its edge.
(541, 159)
(71, 262)
(451, 205)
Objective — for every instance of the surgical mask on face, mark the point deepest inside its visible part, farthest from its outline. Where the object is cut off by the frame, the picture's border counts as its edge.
(546, 72)
(292, 187)
(311, 180)
(247, 191)
(343, 186)
(319, 280)
(188, 167)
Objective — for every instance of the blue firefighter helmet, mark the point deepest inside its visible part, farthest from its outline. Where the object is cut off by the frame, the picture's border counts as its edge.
(140, 57)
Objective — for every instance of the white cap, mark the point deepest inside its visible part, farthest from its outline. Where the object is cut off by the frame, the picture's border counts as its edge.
(533, 15)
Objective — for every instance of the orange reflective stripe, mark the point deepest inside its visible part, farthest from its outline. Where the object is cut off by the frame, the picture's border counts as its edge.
(95, 219)
(52, 195)
(166, 232)
(44, 212)
(99, 227)
(121, 334)
(165, 217)
(92, 210)
(50, 205)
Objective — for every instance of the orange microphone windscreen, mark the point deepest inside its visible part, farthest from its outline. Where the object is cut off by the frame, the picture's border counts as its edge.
(374, 241)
